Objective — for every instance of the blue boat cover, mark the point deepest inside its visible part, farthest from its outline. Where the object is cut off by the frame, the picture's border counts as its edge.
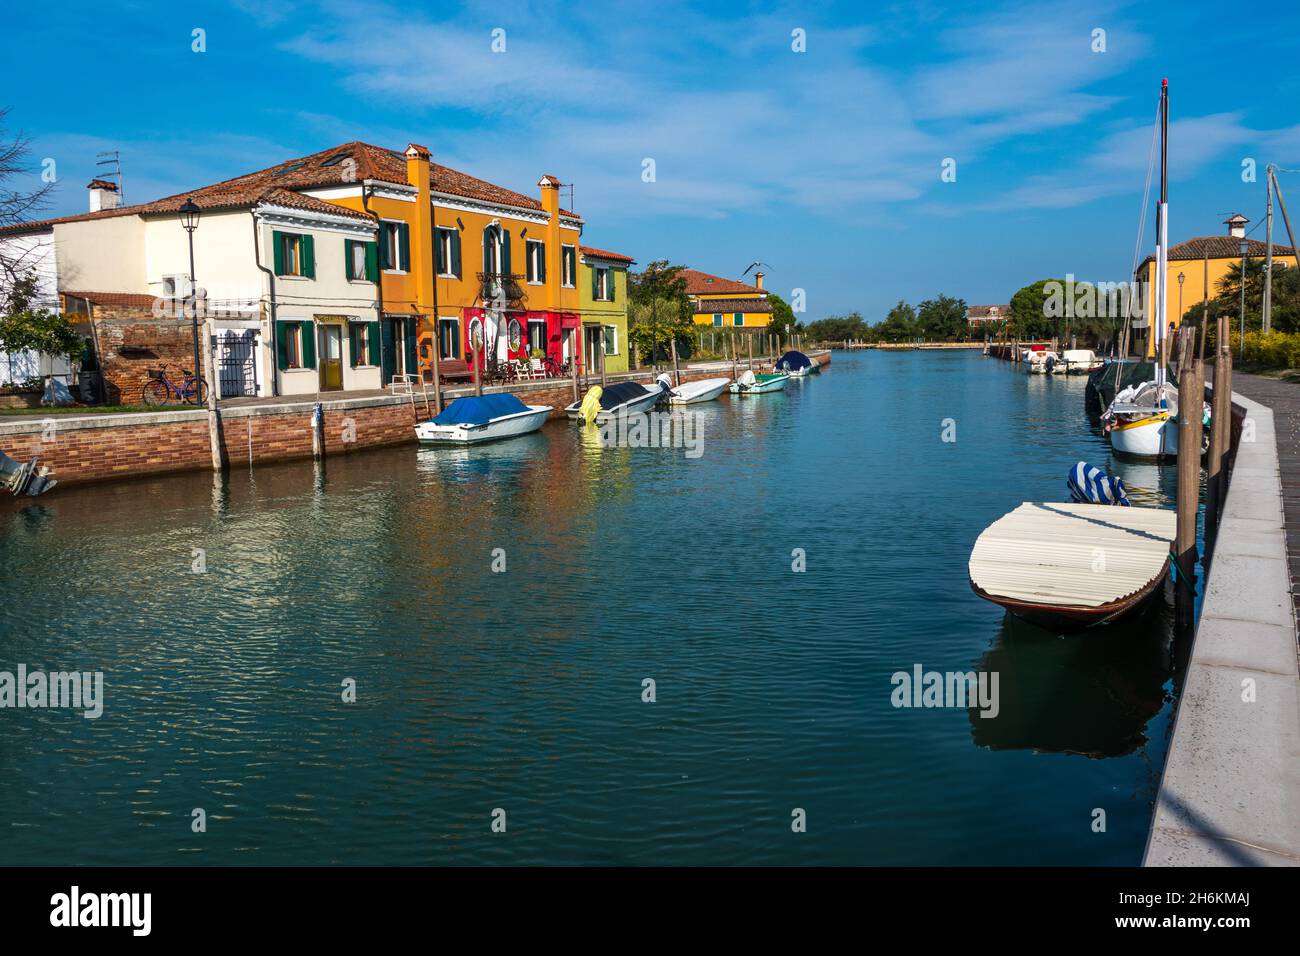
(615, 395)
(1090, 485)
(792, 361)
(480, 409)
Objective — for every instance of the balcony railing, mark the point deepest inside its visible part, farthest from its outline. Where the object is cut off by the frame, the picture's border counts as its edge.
(503, 287)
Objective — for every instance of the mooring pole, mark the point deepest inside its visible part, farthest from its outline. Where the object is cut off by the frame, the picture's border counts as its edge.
(208, 373)
(318, 432)
(1216, 464)
(1191, 395)
(750, 347)
(437, 371)
(677, 372)
(478, 380)
(602, 358)
(573, 355)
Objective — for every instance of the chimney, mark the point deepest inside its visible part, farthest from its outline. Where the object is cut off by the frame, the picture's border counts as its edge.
(103, 195)
(550, 187)
(421, 226)
(758, 279)
(1236, 224)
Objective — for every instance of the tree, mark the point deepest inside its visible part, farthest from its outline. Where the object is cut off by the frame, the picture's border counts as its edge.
(1030, 318)
(783, 319)
(23, 328)
(840, 328)
(899, 325)
(1286, 300)
(942, 319)
(17, 205)
(659, 310)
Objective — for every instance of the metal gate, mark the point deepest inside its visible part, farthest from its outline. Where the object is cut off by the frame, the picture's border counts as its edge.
(237, 362)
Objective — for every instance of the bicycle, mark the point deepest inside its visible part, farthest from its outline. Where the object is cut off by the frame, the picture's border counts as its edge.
(160, 390)
(555, 369)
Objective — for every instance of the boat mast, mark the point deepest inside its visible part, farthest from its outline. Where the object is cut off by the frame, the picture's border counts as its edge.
(1162, 244)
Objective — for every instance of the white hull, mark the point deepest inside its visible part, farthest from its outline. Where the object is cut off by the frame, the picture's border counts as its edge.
(1149, 437)
(640, 404)
(507, 426)
(773, 385)
(812, 369)
(706, 390)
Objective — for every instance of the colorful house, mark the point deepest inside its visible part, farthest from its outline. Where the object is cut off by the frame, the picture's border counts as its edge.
(602, 282)
(1194, 269)
(357, 263)
(726, 303)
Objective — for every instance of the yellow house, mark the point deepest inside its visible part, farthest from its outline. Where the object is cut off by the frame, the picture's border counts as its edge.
(603, 285)
(1195, 268)
(726, 303)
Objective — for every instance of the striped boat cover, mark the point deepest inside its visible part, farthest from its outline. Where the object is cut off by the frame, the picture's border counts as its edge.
(1090, 485)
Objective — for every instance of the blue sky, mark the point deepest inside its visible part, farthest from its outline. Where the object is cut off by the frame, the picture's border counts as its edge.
(823, 164)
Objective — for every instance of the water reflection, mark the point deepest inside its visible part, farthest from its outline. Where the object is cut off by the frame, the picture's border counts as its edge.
(1091, 693)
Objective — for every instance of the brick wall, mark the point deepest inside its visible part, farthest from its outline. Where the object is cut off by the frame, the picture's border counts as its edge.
(131, 341)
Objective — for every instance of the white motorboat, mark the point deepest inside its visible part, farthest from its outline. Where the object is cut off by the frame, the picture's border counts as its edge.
(1079, 362)
(621, 398)
(688, 393)
(1041, 362)
(751, 384)
(481, 418)
(796, 364)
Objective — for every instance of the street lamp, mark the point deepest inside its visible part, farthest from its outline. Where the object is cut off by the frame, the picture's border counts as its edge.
(1181, 278)
(1241, 352)
(189, 222)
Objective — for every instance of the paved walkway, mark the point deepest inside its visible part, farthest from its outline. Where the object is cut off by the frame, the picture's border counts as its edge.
(1284, 399)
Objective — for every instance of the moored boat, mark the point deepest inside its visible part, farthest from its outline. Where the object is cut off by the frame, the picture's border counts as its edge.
(1067, 566)
(751, 384)
(796, 364)
(1039, 361)
(689, 393)
(1079, 362)
(481, 418)
(621, 398)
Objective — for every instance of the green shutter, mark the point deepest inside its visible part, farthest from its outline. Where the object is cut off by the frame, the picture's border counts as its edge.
(281, 344)
(372, 261)
(373, 335)
(412, 363)
(595, 283)
(455, 253)
(439, 266)
(383, 246)
(347, 259)
(308, 344)
(611, 283)
(505, 251)
(404, 237)
(352, 344)
(738, 319)
(541, 261)
(487, 250)
(277, 247)
(307, 256)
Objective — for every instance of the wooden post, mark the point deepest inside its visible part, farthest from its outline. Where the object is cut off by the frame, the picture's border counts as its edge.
(677, 372)
(1216, 464)
(318, 432)
(1191, 392)
(437, 373)
(734, 363)
(208, 373)
(602, 358)
(573, 354)
(473, 357)
(749, 345)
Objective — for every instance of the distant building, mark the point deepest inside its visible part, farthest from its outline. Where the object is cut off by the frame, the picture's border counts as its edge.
(727, 303)
(982, 315)
(1194, 270)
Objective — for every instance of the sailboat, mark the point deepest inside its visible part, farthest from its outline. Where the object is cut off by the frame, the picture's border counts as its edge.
(1142, 419)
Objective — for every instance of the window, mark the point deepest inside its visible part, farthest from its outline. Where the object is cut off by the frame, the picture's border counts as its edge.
(449, 338)
(476, 334)
(600, 284)
(568, 266)
(394, 246)
(536, 334)
(536, 261)
(295, 254)
(360, 261)
(513, 334)
(717, 318)
(448, 250)
(337, 158)
(611, 340)
(496, 251)
(285, 170)
(365, 343)
(738, 319)
(292, 344)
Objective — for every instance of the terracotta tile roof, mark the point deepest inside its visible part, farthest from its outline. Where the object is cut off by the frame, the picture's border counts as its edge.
(112, 298)
(280, 183)
(987, 311)
(1218, 247)
(709, 306)
(603, 254)
(702, 283)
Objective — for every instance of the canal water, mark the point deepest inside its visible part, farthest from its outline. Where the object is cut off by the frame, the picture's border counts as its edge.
(227, 620)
